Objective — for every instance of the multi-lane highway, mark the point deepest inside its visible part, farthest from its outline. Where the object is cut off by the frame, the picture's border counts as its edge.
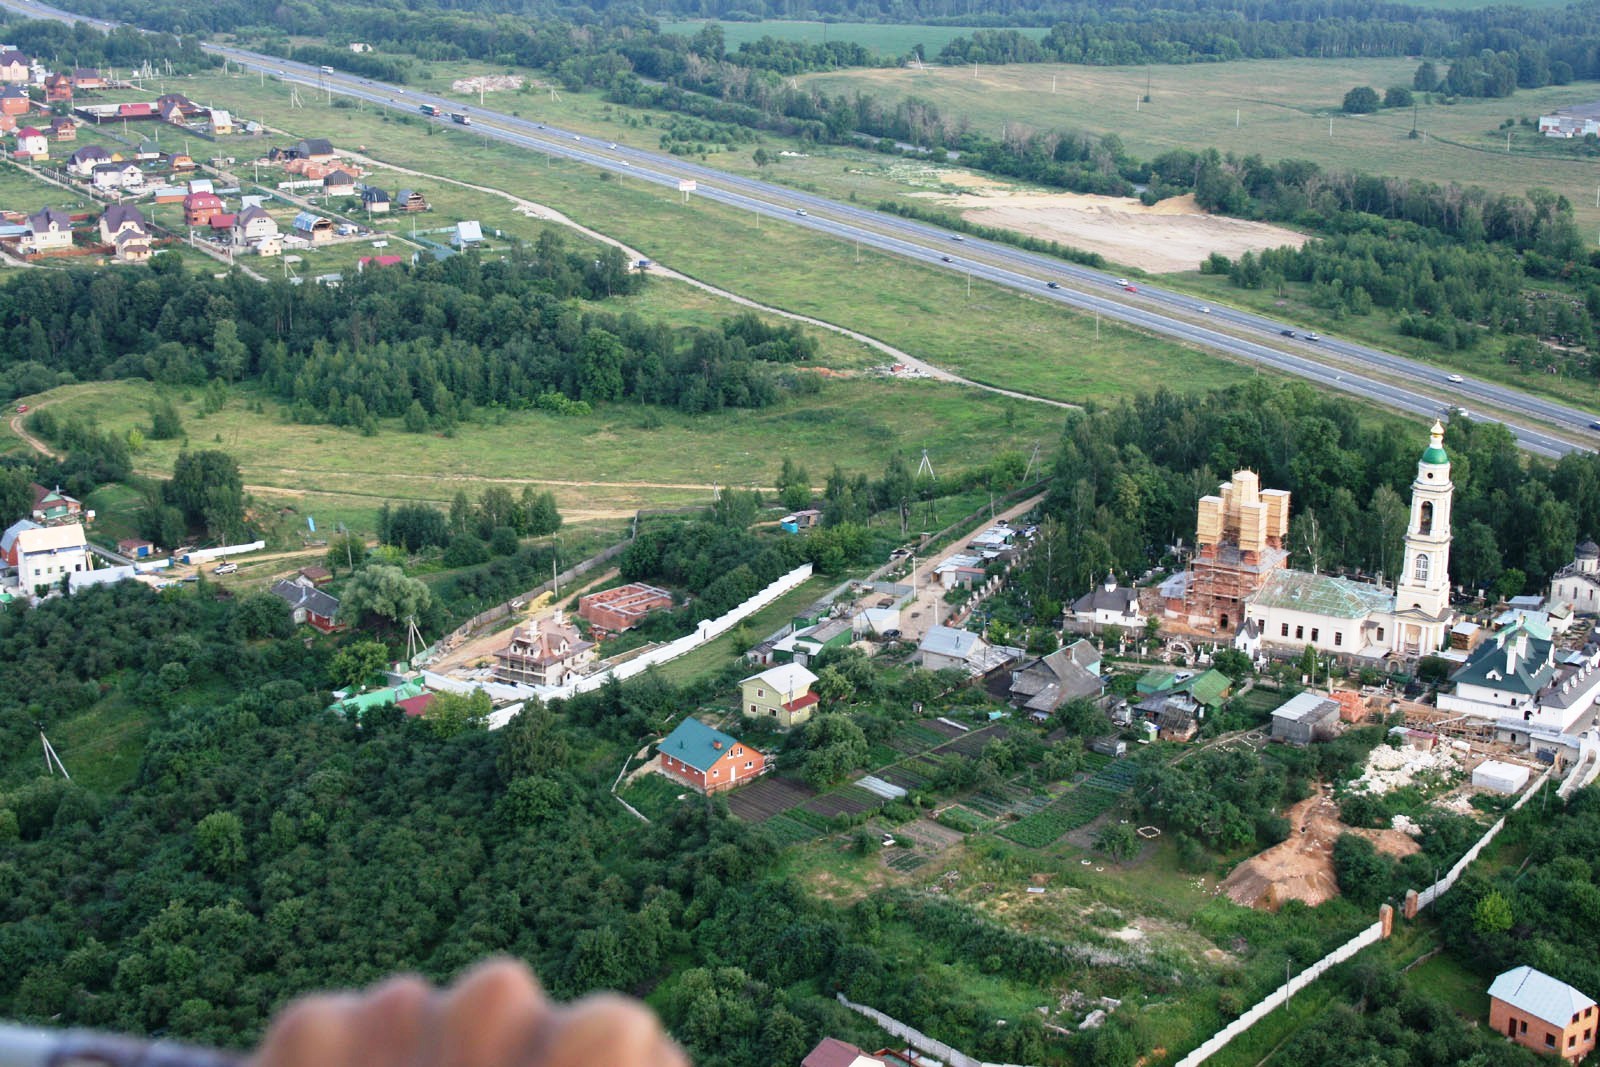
(1544, 427)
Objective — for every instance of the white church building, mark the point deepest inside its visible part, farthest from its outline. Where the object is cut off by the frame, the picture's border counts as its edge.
(1361, 619)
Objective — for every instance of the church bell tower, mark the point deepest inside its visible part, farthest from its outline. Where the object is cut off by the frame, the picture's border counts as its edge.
(1423, 591)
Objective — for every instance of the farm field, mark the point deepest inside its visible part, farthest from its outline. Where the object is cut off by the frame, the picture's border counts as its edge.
(994, 336)
(888, 39)
(1282, 107)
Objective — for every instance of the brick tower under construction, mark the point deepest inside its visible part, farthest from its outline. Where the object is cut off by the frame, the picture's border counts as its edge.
(1239, 540)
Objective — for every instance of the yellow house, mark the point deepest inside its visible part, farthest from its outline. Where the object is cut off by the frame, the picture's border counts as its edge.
(782, 693)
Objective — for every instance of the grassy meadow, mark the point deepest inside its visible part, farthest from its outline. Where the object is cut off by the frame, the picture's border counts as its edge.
(1279, 109)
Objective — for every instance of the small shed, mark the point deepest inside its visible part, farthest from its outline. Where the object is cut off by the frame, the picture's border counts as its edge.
(467, 233)
(1114, 747)
(1499, 777)
(1305, 718)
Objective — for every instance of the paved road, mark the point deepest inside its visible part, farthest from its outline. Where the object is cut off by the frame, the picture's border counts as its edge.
(1543, 427)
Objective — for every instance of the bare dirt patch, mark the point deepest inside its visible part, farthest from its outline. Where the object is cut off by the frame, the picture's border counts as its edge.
(488, 83)
(1301, 867)
(1173, 235)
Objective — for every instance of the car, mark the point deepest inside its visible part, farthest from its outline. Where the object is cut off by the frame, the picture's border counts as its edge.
(799, 211)
(224, 568)
(1131, 288)
(1455, 379)
(1286, 333)
(1204, 310)
(891, 635)
(1313, 336)
(21, 408)
(402, 92)
(957, 237)
(946, 259)
(625, 163)
(1594, 426)
(611, 146)
(575, 137)
(1052, 285)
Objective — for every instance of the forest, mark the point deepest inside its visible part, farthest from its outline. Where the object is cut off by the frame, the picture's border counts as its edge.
(122, 49)
(424, 345)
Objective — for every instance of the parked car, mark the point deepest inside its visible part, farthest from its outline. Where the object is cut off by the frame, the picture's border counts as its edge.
(21, 408)
(891, 635)
(224, 568)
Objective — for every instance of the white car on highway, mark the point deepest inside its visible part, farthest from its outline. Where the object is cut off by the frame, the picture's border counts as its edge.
(1455, 379)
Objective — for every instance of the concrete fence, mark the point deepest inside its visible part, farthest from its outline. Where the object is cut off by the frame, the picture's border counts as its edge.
(707, 631)
(918, 1040)
(1369, 936)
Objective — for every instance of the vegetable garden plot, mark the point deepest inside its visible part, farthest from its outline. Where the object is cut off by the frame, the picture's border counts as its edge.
(787, 830)
(763, 799)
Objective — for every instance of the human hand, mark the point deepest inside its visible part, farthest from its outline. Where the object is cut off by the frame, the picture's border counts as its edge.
(496, 1015)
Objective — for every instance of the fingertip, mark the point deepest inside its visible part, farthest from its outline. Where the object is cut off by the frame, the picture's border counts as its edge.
(310, 1030)
(611, 1029)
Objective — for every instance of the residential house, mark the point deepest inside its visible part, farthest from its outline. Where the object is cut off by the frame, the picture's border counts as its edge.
(147, 151)
(313, 228)
(622, 608)
(202, 185)
(199, 207)
(135, 548)
(32, 142)
(1516, 676)
(64, 128)
(359, 704)
(831, 1052)
(317, 149)
(58, 89)
(8, 123)
(339, 183)
(46, 555)
(176, 104)
(805, 645)
(1578, 583)
(411, 200)
(546, 651)
(221, 122)
(52, 507)
(1109, 605)
(376, 262)
(994, 539)
(133, 247)
(14, 100)
(133, 111)
(170, 194)
(83, 160)
(49, 230)
(1069, 673)
(960, 570)
(947, 648)
(271, 245)
(782, 693)
(87, 78)
(8, 540)
(14, 66)
(309, 606)
(1542, 1013)
(375, 200)
(467, 234)
(317, 576)
(180, 161)
(1306, 717)
(117, 176)
(706, 759)
(253, 225)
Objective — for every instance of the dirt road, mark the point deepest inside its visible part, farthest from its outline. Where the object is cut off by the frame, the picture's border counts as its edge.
(928, 608)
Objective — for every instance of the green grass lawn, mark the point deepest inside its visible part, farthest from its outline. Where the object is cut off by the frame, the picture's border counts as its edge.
(1278, 109)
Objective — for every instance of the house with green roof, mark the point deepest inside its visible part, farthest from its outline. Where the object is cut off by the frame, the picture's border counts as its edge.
(707, 760)
(1518, 675)
(361, 703)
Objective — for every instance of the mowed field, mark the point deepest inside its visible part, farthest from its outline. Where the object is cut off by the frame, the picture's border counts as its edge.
(1279, 109)
(888, 39)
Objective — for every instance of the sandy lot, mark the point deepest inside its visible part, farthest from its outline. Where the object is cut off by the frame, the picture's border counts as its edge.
(1174, 235)
(1301, 867)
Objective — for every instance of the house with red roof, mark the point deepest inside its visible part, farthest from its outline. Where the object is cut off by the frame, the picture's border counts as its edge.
(542, 652)
(33, 143)
(706, 759)
(198, 208)
(57, 89)
(831, 1052)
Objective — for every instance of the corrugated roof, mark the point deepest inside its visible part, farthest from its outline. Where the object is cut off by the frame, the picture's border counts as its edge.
(1321, 594)
(1539, 995)
(1210, 687)
(1307, 707)
(698, 745)
(948, 641)
(786, 678)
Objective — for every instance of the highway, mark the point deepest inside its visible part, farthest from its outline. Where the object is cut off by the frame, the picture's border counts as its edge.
(1544, 427)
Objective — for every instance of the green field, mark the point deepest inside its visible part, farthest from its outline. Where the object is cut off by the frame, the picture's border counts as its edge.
(888, 39)
(1278, 109)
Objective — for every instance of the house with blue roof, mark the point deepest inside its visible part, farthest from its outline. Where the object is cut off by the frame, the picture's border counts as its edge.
(706, 759)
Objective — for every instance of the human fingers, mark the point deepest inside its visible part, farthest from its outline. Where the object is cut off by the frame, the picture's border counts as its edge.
(492, 1017)
(392, 1021)
(612, 1030)
(311, 1031)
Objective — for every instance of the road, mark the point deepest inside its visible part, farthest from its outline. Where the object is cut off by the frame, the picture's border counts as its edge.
(1543, 427)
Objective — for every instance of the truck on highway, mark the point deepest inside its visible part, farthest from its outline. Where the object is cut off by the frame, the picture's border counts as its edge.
(428, 109)
(460, 119)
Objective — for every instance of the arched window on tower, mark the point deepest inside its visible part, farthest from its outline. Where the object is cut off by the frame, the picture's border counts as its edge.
(1420, 570)
(1425, 518)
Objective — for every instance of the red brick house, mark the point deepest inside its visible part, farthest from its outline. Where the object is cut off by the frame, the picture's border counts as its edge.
(199, 207)
(57, 89)
(87, 78)
(707, 760)
(624, 607)
(1542, 1013)
(14, 100)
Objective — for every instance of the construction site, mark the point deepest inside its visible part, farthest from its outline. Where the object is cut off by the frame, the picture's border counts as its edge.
(1240, 534)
